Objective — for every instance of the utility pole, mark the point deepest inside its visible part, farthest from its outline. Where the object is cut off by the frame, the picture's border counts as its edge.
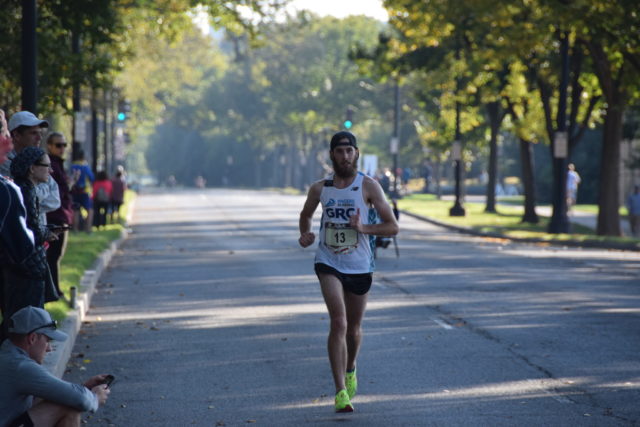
(29, 57)
(559, 222)
(78, 124)
(94, 131)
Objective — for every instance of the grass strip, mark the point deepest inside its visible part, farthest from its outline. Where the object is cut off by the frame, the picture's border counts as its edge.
(507, 221)
(82, 251)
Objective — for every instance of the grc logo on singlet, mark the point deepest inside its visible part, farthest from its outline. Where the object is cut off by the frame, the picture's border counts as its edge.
(340, 209)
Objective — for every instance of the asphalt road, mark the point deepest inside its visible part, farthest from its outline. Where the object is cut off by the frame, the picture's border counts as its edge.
(210, 315)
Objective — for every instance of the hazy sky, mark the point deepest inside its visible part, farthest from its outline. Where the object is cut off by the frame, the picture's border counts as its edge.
(337, 8)
(343, 8)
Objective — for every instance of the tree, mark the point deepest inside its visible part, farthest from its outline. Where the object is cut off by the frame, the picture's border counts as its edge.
(612, 33)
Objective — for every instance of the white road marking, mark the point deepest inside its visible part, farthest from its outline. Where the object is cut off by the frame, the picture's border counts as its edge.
(441, 323)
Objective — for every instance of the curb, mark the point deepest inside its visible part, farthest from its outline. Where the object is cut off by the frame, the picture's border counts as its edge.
(566, 243)
(56, 360)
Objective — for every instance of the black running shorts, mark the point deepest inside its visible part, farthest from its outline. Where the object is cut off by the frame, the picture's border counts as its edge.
(358, 284)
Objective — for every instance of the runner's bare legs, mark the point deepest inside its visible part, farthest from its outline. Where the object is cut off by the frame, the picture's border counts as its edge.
(345, 311)
(355, 305)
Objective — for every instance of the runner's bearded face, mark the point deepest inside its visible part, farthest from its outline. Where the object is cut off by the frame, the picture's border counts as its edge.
(345, 161)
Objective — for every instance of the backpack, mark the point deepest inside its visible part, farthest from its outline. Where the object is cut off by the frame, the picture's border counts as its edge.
(101, 195)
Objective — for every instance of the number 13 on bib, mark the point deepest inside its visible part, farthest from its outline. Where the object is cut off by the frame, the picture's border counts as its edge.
(340, 238)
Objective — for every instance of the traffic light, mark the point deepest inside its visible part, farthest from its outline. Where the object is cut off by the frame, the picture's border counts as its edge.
(348, 122)
(124, 107)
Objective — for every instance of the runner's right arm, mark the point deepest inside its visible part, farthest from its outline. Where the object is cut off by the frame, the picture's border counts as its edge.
(307, 237)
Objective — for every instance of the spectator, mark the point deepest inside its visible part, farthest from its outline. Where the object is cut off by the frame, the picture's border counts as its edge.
(385, 181)
(573, 180)
(26, 131)
(29, 394)
(426, 174)
(633, 205)
(102, 190)
(406, 177)
(80, 191)
(63, 216)
(29, 168)
(119, 186)
(20, 259)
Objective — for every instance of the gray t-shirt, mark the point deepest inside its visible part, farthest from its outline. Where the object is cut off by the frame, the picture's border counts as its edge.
(23, 379)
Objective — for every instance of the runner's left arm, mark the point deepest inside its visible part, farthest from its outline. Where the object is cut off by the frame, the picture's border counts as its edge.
(373, 194)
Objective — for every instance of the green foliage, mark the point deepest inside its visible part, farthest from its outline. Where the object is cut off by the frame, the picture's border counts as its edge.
(271, 103)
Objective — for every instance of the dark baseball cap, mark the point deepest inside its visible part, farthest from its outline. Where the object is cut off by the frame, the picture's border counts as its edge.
(336, 140)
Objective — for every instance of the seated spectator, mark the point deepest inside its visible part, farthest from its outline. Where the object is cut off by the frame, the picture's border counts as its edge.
(119, 186)
(29, 394)
(102, 189)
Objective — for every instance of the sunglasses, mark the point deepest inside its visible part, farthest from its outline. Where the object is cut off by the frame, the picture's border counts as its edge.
(60, 144)
(53, 325)
(46, 165)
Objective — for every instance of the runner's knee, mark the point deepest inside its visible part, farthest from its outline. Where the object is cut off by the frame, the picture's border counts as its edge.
(339, 325)
(354, 331)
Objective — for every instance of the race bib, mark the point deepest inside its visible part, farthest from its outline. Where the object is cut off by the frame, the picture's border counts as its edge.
(340, 237)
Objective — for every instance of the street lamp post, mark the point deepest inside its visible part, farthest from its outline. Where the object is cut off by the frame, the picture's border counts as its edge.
(457, 209)
(395, 139)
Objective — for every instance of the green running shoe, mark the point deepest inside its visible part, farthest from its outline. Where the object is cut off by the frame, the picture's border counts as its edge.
(343, 404)
(351, 381)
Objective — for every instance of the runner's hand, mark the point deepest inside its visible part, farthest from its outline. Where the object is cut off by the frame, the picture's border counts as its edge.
(306, 239)
(354, 221)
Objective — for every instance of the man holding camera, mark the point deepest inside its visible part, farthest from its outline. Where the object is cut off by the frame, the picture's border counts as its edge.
(29, 394)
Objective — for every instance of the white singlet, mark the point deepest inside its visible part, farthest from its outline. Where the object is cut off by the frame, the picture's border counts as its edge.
(340, 246)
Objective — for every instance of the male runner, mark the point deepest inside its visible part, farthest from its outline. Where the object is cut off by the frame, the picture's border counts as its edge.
(344, 259)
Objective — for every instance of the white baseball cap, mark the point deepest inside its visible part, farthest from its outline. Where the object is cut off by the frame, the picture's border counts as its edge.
(33, 319)
(26, 118)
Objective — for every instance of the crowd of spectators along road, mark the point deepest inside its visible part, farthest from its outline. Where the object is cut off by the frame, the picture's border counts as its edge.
(39, 204)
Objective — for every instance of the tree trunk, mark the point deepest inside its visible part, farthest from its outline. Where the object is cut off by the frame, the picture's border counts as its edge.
(528, 181)
(437, 172)
(609, 192)
(258, 168)
(495, 119)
